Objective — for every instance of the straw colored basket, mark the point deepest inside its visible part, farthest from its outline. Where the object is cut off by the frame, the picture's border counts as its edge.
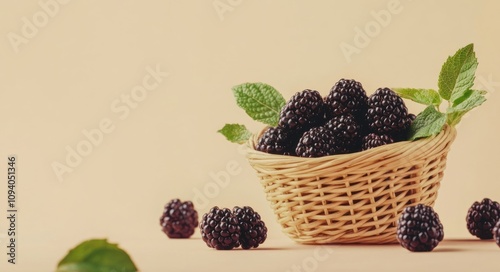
(351, 198)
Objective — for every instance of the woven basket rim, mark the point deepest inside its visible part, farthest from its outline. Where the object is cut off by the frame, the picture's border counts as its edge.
(446, 132)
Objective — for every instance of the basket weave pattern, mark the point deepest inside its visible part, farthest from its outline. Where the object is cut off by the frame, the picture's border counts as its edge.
(351, 198)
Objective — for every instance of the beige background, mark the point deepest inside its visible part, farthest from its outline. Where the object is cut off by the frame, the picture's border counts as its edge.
(72, 73)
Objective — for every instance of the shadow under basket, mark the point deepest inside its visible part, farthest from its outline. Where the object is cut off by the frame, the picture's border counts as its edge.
(351, 198)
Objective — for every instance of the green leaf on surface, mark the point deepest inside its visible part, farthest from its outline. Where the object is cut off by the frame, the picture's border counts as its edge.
(422, 96)
(96, 255)
(260, 101)
(429, 122)
(457, 73)
(235, 133)
(470, 100)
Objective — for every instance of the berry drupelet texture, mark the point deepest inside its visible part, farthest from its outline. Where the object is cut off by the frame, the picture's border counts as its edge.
(276, 140)
(346, 131)
(387, 113)
(253, 229)
(373, 140)
(303, 111)
(179, 219)
(347, 96)
(319, 142)
(482, 217)
(419, 228)
(496, 233)
(220, 229)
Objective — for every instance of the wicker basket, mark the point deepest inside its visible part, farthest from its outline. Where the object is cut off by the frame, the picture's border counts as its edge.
(351, 198)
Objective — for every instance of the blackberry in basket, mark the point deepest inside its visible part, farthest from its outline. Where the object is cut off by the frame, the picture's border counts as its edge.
(373, 140)
(347, 96)
(319, 142)
(276, 140)
(346, 131)
(302, 112)
(387, 113)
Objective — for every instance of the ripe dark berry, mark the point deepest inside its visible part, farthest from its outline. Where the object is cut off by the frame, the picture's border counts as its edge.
(253, 230)
(346, 131)
(303, 111)
(346, 96)
(496, 233)
(179, 219)
(319, 142)
(373, 140)
(482, 217)
(220, 229)
(419, 228)
(278, 141)
(387, 113)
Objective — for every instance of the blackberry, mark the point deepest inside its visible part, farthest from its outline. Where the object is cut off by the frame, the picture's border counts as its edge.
(276, 140)
(419, 228)
(179, 219)
(411, 117)
(220, 229)
(373, 140)
(319, 142)
(387, 113)
(496, 233)
(253, 229)
(303, 111)
(482, 217)
(346, 131)
(346, 96)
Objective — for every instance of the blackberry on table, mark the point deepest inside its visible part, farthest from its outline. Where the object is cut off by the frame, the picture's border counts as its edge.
(303, 111)
(387, 113)
(482, 217)
(220, 229)
(276, 140)
(253, 229)
(373, 140)
(179, 219)
(346, 131)
(347, 96)
(496, 233)
(419, 228)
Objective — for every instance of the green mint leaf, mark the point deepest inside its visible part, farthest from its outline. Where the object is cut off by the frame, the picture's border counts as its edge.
(429, 122)
(260, 101)
(96, 255)
(422, 96)
(457, 73)
(235, 133)
(470, 100)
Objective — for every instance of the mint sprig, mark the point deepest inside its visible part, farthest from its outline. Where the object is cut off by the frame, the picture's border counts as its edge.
(235, 133)
(454, 85)
(261, 102)
(96, 255)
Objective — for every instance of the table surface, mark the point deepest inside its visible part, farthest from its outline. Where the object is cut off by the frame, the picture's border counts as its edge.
(285, 255)
(282, 254)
